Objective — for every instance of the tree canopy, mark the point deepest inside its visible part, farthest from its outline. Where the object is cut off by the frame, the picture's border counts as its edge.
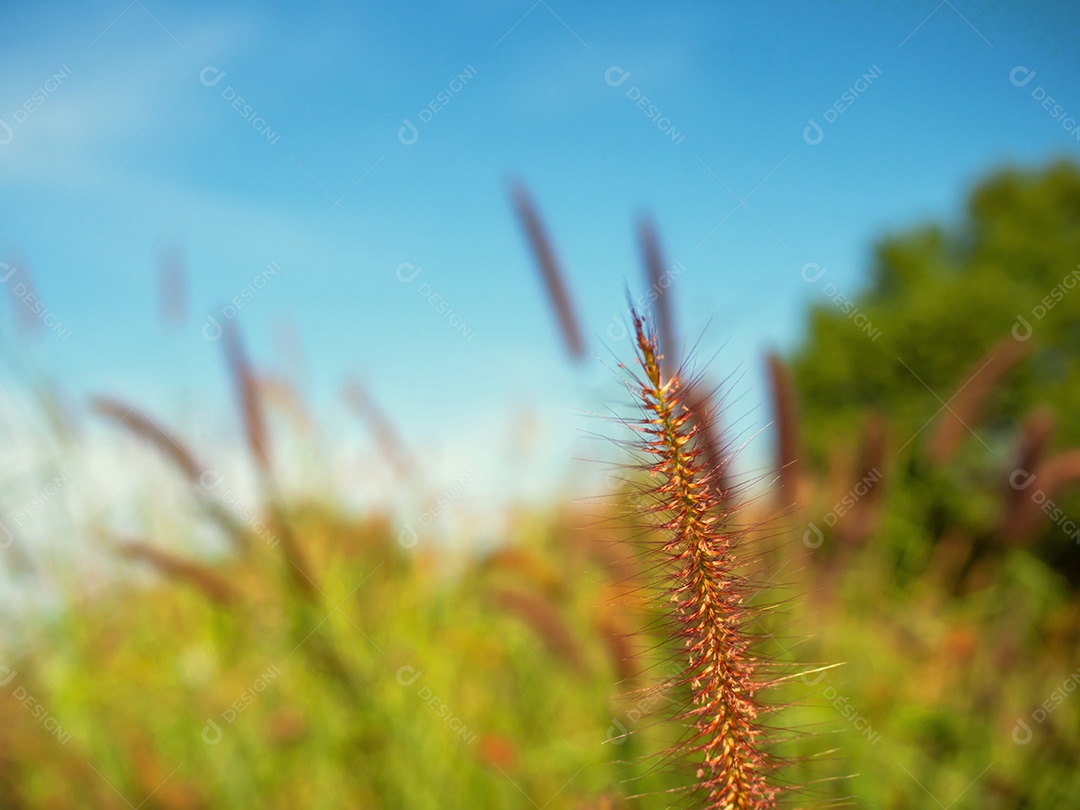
(941, 297)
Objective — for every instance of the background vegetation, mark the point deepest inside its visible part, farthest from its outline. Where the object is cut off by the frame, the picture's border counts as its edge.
(327, 660)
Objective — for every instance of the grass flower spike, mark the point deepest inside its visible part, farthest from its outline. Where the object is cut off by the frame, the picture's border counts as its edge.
(702, 579)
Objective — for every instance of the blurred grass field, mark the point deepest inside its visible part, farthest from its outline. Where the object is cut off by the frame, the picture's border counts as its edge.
(498, 685)
(326, 659)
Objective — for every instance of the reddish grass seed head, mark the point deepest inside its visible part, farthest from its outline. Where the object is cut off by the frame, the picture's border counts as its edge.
(707, 593)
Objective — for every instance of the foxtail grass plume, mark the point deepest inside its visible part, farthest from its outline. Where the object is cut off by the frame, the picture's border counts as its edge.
(136, 422)
(148, 430)
(701, 570)
(389, 440)
(549, 269)
(247, 395)
(1036, 433)
(861, 521)
(299, 569)
(786, 413)
(204, 579)
(965, 407)
(1039, 486)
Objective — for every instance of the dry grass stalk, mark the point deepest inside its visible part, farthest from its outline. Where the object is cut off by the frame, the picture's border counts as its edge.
(700, 551)
(549, 269)
(214, 586)
(966, 405)
(786, 416)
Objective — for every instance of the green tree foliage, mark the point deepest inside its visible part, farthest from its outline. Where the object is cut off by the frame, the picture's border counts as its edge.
(942, 296)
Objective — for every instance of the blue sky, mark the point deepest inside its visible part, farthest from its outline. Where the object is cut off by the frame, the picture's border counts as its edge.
(135, 148)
